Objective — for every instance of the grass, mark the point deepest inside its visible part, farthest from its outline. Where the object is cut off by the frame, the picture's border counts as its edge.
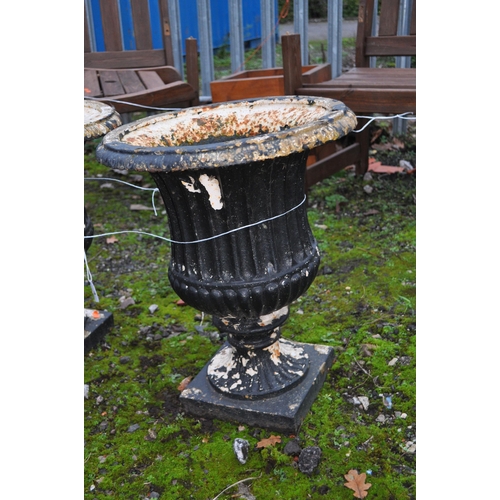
(362, 303)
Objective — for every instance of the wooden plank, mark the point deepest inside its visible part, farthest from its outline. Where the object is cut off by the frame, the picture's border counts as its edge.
(381, 100)
(110, 83)
(177, 94)
(192, 68)
(142, 24)
(365, 16)
(168, 74)
(413, 19)
(334, 163)
(292, 66)
(317, 74)
(130, 81)
(151, 80)
(388, 21)
(167, 38)
(86, 42)
(391, 46)
(111, 25)
(125, 59)
(91, 83)
(372, 78)
(231, 90)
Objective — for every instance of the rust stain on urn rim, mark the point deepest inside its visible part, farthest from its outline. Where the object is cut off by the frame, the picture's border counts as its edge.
(217, 135)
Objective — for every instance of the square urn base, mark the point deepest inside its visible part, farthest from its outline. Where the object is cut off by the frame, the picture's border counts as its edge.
(284, 412)
(96, 325)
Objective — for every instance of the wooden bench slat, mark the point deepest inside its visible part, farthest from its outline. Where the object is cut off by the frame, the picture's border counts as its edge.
(391, 46)
(130, 81)
(371, 78)
(142, 28)
(91, 84)
(124, 59)
(86, 34)
(110, 83)
(151, 79)
(369, 100)
(389, 10)
(111, 28)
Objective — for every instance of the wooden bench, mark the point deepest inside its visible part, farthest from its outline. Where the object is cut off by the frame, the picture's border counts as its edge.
(364, 89)
(144, 76)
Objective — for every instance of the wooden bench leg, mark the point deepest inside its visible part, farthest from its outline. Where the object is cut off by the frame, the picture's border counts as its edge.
(363, 139)
(292, 64)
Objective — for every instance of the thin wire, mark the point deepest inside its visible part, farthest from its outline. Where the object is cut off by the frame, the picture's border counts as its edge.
(89, 278)
(203, 239)
(105, 99)
(392, 117)
(154, 190)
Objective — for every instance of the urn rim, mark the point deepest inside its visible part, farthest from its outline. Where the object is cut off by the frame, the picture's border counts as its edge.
(199, 137)
(99, 118)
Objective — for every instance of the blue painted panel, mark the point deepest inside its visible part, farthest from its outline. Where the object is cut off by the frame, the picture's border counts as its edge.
(97, 22)
(128, 36)
(156, 24)
(189, 23)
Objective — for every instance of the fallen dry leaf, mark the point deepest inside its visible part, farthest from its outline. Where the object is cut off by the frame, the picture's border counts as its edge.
(111, 239)
(180, 302)
(270, 441)
(184, 383)
(356, 482)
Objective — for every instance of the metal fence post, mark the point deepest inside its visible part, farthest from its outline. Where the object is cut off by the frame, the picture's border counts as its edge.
(267, 17)
(334, 55)
(399, 126)
(175, 33)
(236, 44)
(300, 25)
(206, 46)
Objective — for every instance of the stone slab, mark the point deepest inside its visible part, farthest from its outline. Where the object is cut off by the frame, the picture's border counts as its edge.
(96, 325)
(284, 412)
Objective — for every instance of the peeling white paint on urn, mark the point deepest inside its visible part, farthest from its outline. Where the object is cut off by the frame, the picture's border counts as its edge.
(211, 184)
(267, 319)
(190, 186)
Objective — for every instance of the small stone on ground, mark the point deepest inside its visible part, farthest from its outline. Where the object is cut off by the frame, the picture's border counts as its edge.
(309, 459)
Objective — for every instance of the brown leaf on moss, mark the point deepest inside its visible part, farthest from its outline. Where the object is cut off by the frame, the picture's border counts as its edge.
(356, 482)
(184, 383)
(270, 441)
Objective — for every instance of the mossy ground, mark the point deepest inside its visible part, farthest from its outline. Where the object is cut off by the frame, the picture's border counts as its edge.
(362, 303)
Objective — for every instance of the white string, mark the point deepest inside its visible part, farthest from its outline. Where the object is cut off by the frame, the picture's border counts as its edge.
(203, 239)
(89, 278)
(392, 117)
(154, 190)
(105, 99)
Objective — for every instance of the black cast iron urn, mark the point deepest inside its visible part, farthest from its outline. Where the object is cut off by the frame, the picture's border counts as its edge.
(231, 177)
